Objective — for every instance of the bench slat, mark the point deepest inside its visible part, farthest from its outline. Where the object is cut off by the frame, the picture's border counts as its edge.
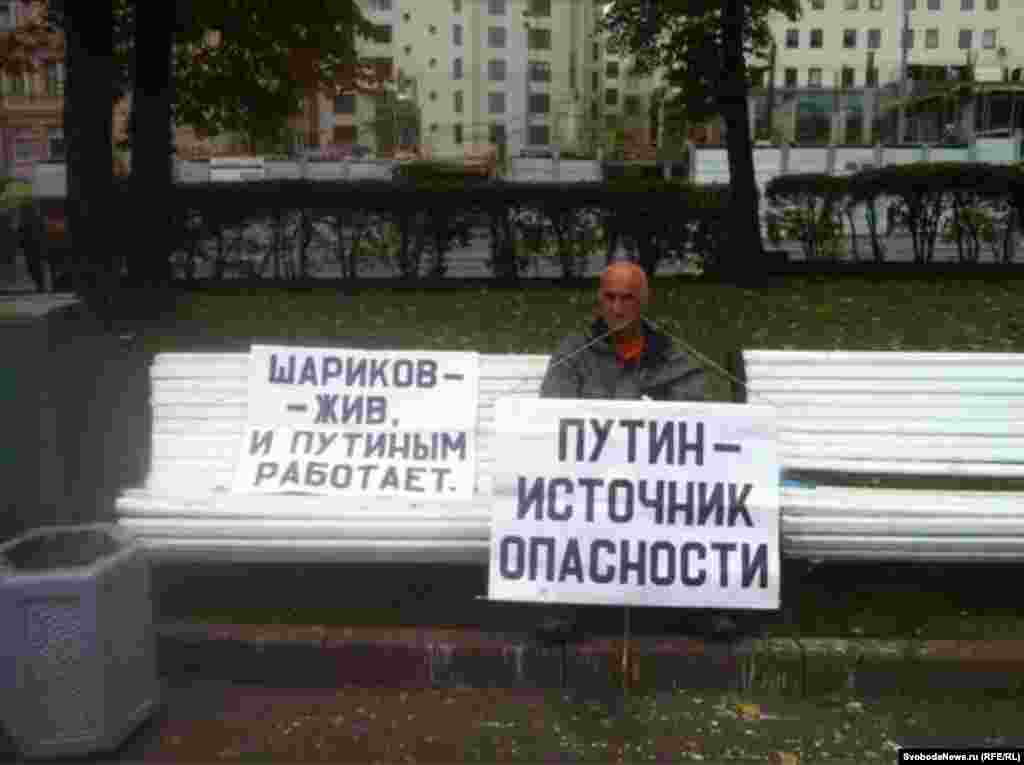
(315, 550)
(755, 356)
(812, 463)
(882, 399)
(922, 386)
(403, 530)
(888, 372)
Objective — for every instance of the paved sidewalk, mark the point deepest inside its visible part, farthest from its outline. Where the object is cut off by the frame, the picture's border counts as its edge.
(317, 656)
(230, 673)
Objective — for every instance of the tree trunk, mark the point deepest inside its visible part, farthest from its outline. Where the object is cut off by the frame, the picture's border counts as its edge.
(742, 255)
(88, 125)
(152, 138)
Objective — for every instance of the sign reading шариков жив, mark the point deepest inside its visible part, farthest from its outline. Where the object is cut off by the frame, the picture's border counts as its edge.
(355, 422)
(636, 503)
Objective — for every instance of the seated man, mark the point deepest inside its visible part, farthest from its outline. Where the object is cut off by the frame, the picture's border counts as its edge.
(622, 357)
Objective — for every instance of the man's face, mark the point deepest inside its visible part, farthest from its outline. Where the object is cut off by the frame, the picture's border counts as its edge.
(621, 298)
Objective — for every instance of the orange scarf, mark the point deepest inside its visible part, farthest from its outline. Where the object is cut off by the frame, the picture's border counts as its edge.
(629, 350)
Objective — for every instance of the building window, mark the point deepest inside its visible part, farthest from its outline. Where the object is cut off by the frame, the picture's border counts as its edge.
(540, 71)
(792, 38)
(851, 5)
(380, 5)
(432, 63)
(456, 34)
(908, 39)
(931, 38)
(496, 70)
(407, 49)
(432, 29)
(874, 39)
(611, 70)
(457, 69)
(817, 5)
(632, 105)
(406, 17)
(611, 97)
(539, 135)
(538, 39)
(934, 5)
(875, 5)
(817, 38)
(594, 114)
(55, 78)
(871, 77)
(8, 19)
(540, 8)
(988, 39)
(345, 103)
(611, 122)
(540, 103)
(495, 103)
(382, 33)
(458, 102)
(55, 139)
(789, 77)
(24, 150)
(814, 77)
(595, 80)
(456, 6)
(849, 38)
(991, 5)
(966, 39)
(847, 77)
(496, 7)
(457, 127)
(596, 52)
(966, 5)
(496, 37)
(433, 95)
(433, 127)
(497, 132)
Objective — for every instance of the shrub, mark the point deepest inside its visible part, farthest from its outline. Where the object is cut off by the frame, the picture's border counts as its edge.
(809, 208)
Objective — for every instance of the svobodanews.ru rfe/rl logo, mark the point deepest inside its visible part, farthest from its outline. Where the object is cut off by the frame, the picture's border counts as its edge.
(961, 755)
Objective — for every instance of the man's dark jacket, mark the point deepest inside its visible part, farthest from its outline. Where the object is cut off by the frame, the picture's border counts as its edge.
(661, 373)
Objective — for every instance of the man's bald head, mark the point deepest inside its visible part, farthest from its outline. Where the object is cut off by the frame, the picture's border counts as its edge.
(627, 275)
(623, 295)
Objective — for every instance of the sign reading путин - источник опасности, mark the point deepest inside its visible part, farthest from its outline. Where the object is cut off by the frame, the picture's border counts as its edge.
(636, 503)
(355, 422)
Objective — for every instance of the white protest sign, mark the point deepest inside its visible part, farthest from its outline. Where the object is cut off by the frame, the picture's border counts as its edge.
(636, 503)
(355, 422)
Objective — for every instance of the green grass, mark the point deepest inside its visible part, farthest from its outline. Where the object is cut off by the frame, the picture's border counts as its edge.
(690, 726)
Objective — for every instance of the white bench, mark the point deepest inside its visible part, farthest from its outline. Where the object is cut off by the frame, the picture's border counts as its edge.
(896, 414)
(186, 512)
(874, 414)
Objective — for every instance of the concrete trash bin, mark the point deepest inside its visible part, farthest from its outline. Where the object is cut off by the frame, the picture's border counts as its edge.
(77, 648)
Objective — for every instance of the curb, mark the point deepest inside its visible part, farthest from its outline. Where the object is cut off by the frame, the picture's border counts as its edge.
(314, 656)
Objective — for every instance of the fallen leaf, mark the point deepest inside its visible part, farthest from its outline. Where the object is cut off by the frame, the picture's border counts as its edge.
(749, 711)
(784, 758)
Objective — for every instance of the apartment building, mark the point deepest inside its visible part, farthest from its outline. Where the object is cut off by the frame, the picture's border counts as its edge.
(852, 47)
(529, 72)
(31, 104)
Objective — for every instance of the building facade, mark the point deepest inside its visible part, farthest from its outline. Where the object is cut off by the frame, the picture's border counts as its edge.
(839, 67)
(533, 73)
